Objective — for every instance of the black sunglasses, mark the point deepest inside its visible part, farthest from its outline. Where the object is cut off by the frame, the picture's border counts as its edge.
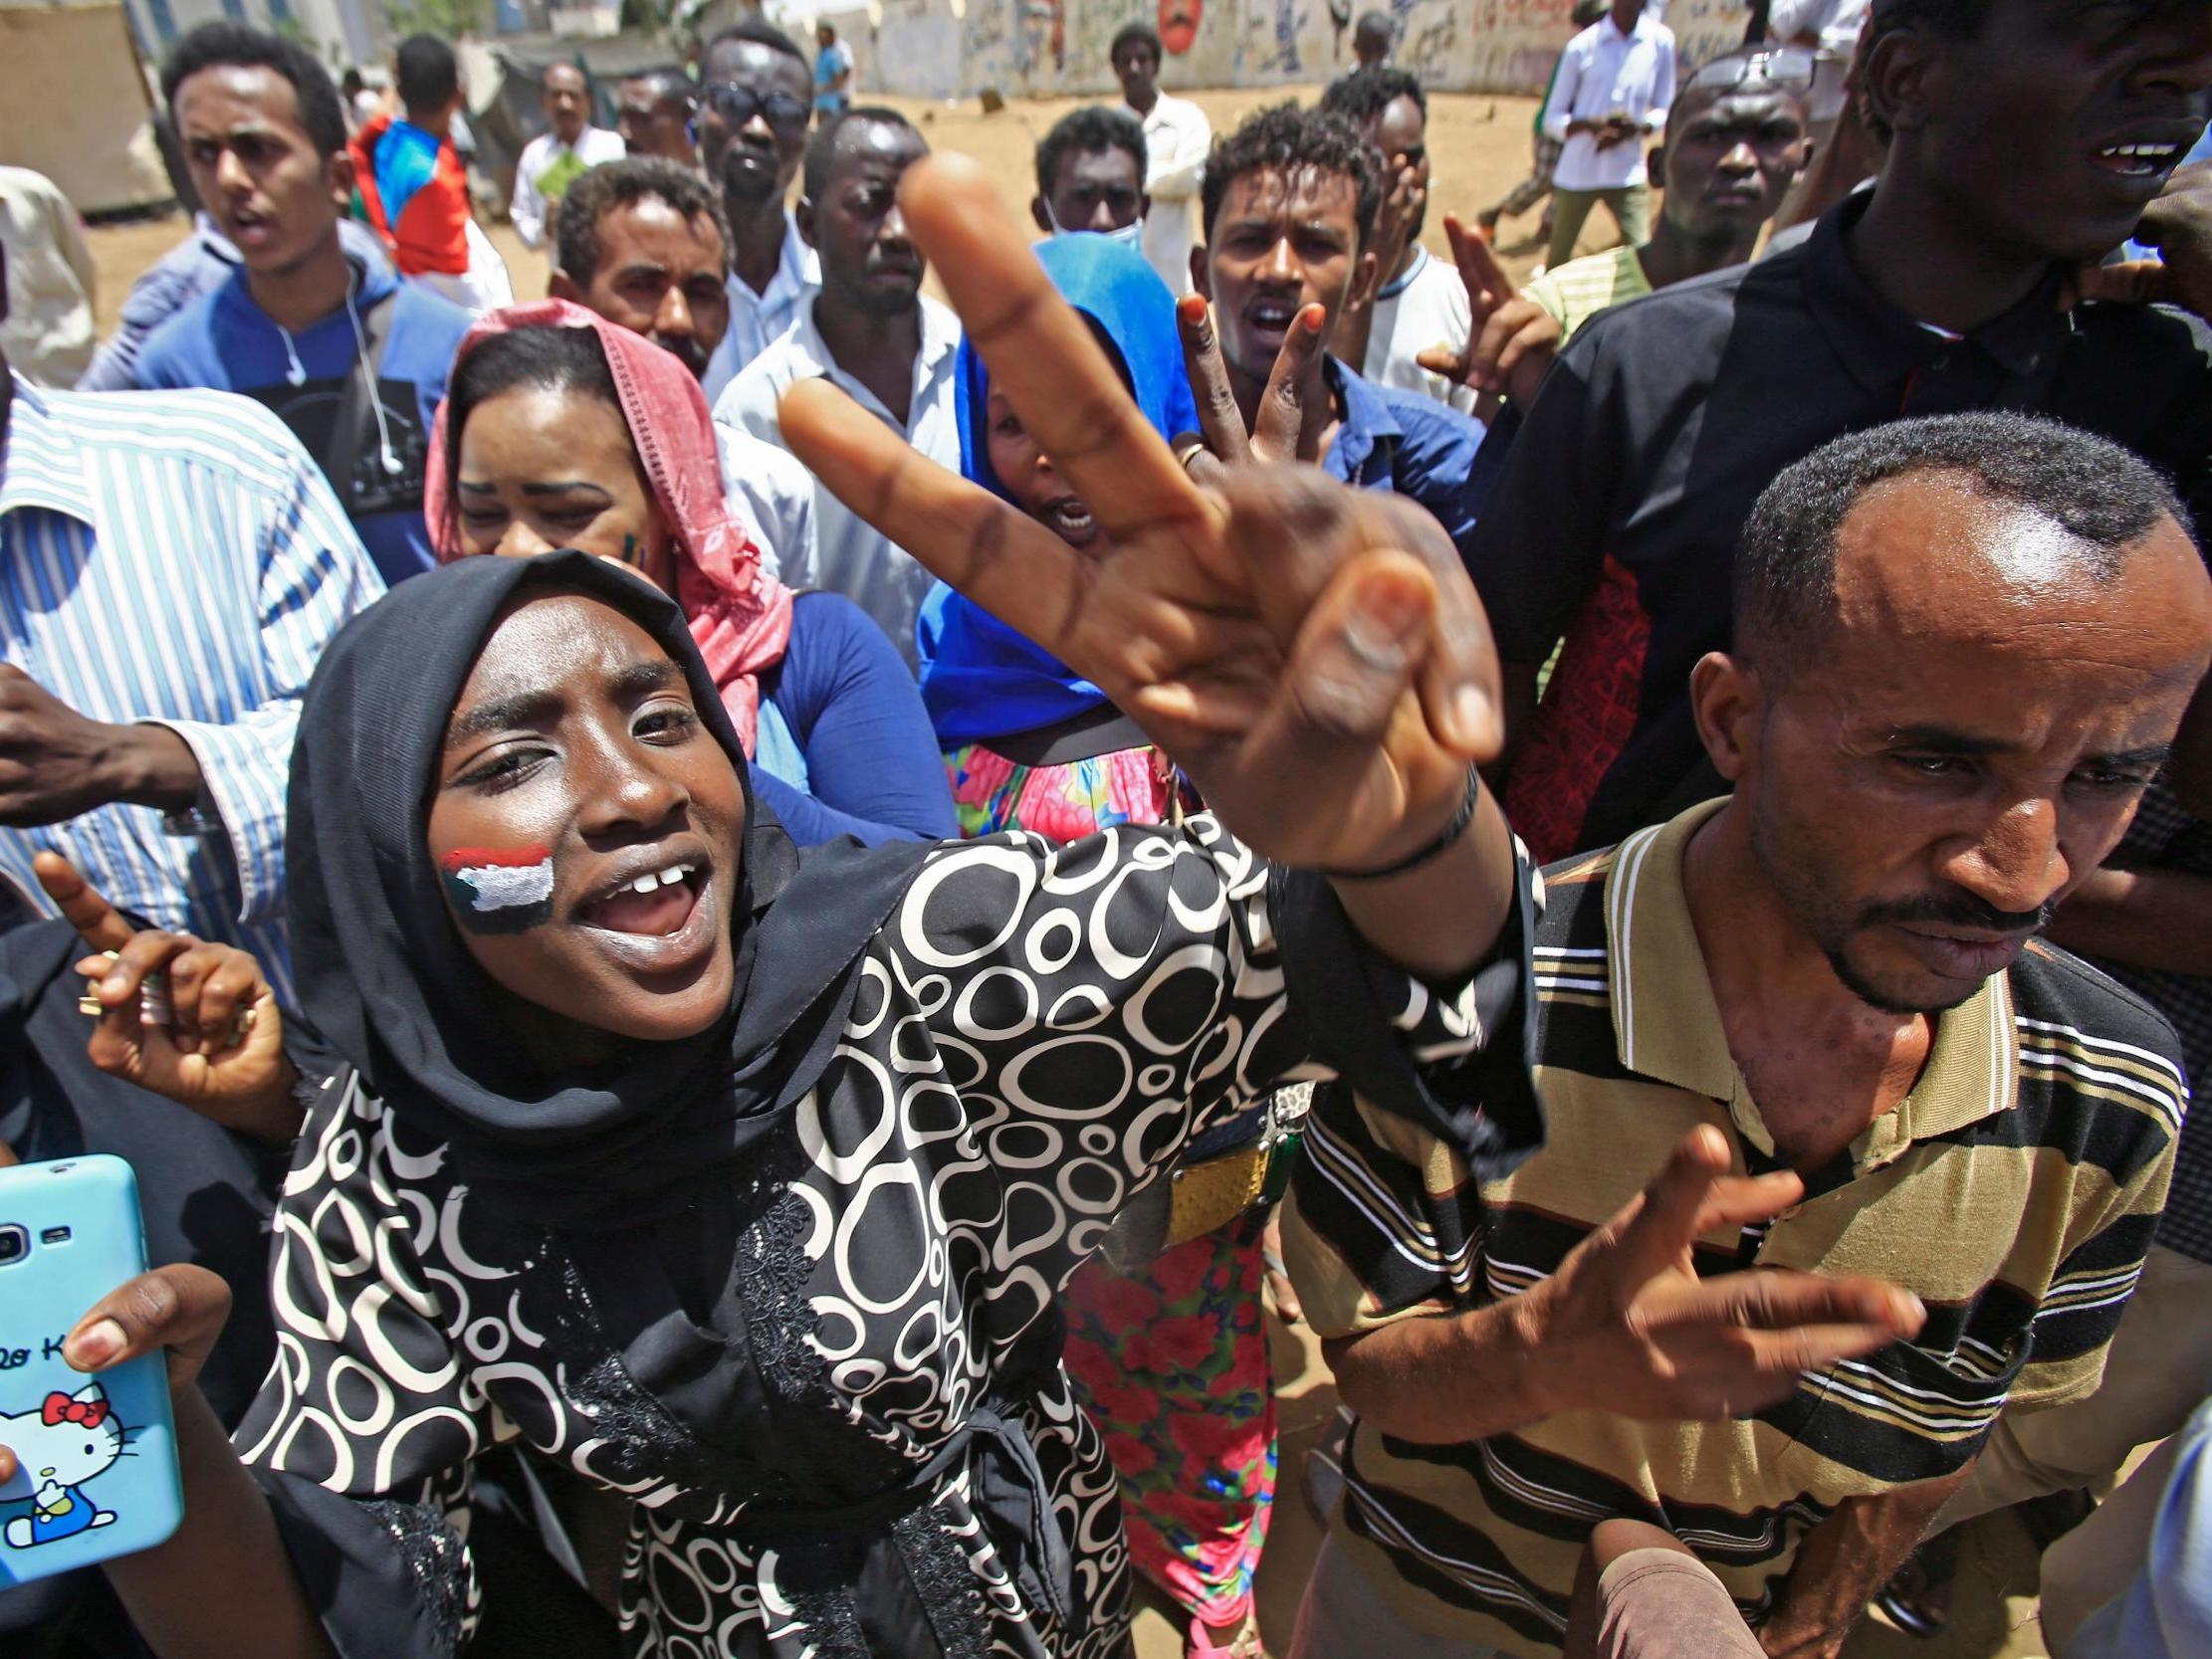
(738, 105)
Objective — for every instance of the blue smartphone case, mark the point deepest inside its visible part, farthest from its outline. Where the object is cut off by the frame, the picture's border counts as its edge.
(96, 1472)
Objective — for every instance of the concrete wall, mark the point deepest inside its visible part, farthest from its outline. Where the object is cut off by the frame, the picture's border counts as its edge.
(957, 47)
(97, 142)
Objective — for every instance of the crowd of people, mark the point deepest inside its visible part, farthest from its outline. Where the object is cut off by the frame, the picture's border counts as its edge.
(780, 908)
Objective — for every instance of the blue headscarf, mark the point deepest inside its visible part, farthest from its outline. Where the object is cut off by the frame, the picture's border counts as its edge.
(979, 679)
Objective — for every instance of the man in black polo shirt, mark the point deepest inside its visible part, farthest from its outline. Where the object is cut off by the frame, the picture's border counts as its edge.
(2026, 139)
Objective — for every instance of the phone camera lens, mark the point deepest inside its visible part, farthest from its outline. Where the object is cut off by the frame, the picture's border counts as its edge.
(14, 1244)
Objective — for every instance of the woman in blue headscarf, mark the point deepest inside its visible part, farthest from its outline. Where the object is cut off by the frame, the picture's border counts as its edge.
(1170, 1357)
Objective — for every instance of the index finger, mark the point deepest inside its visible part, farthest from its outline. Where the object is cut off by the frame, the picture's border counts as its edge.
(97, 921)
(1488, 287)
(1039, 353)
(1221, 422)
(1282, 410)
(1666, 1218)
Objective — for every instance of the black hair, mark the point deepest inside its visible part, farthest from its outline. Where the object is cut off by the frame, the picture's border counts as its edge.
(1137, 34)
(1285, 139)
(825, 27)
(759, 33)
(2102, 495)
(667, 81)
(427, 73)
(224, 44)
(1366, 93)
(1373, 25)
(351, 82)
(821, 149)
(549, 358)
(1090, 129)
(625, 183)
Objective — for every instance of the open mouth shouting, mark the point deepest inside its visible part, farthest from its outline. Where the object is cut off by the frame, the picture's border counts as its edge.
(651, 911)
(1269, 320)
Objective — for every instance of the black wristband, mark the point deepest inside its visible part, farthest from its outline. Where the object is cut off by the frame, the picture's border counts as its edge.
(1438, 845)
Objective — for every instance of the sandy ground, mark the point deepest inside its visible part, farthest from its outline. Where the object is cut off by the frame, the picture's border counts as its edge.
(1480, 147)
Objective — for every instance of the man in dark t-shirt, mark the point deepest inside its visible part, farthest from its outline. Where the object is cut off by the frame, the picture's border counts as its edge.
(2026, 139)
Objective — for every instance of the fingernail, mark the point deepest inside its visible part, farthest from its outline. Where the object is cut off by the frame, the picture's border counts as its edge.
(1386, 621)
(95, 1345)
(1471, 710)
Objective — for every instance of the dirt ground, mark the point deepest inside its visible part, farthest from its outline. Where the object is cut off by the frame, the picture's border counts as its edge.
(1480, 149)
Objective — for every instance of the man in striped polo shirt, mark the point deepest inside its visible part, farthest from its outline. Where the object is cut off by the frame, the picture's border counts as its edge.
(1964, 647)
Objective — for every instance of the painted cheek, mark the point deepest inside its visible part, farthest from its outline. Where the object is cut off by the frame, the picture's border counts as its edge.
(498, 890)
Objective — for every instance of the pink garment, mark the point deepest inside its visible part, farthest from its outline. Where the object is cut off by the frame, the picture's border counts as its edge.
(740, 616)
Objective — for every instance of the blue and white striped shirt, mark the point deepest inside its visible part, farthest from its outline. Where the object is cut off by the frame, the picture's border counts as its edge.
(173, 557)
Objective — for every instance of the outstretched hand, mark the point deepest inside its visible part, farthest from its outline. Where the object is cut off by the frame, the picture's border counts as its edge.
(1511, 340)
(221, 1052)
(1312, 656)
(1627, 1317)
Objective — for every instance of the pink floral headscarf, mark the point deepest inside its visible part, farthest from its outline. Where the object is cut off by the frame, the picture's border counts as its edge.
(739, 614)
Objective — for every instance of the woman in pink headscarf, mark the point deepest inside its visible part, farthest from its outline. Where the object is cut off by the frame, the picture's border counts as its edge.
(561, 430)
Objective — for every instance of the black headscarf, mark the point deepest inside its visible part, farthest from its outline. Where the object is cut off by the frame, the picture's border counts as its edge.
(384, 978)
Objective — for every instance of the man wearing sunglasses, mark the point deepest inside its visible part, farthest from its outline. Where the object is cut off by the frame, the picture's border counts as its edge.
(755, 107)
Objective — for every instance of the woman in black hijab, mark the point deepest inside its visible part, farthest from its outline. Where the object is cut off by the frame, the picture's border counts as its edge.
(740, 1183)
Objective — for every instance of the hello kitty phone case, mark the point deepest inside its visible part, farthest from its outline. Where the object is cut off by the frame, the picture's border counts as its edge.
(96, 1470)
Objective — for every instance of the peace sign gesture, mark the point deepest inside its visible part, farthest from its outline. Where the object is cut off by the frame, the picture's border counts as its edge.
(1313, 657)
(1511, 340)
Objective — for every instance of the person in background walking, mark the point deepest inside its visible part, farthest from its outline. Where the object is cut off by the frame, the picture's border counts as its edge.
(555, 159)
(1177, 138)
(1615, 85)
(833, 75)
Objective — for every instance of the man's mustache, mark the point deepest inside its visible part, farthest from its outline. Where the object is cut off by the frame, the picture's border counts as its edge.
(686, 351)
(1958, 910)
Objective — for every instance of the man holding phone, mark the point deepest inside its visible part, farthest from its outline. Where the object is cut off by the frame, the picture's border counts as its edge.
(1615, 85)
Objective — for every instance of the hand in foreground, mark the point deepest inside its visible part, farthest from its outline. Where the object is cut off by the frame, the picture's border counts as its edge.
(1291, 419)
(1312, 656)
(2179, 225)
(1629, 1328)
(56, 763)
(180, 1309)
(1511, 340)
(199, 1058)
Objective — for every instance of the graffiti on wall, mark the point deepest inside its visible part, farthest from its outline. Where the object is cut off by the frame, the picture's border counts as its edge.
(924, 49)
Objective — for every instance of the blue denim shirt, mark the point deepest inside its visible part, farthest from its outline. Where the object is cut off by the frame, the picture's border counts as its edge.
(1403, 442)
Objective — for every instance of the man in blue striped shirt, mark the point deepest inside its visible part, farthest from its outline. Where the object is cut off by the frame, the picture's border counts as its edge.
(172, 566)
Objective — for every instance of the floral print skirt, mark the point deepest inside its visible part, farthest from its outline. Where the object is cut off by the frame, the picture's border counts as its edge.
(1171, 1363)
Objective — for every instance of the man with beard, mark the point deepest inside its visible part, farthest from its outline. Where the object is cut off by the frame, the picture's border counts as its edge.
(874, 334)
(1416, 301)
(1964, 647)
(642, 244)
(756, 102)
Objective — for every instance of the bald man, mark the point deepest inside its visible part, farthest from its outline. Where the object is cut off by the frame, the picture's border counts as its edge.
(1963, 648)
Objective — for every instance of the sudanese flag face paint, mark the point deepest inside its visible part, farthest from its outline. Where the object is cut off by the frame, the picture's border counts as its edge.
(499, 891)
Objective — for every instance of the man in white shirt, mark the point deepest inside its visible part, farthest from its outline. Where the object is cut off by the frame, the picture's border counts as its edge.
(1419, 301)
(752, 116)
(874, 334)
(48, 332)
(1830, 25)
(1615, 85)
(1177, 138)
(553, 160)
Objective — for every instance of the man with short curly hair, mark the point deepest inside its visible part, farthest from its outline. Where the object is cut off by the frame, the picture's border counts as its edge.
(1092, 175)
(1290, 204)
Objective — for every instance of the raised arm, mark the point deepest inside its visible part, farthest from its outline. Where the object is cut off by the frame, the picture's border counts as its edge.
(1312, 656)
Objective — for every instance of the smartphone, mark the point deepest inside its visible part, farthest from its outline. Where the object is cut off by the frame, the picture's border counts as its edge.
(96, 1470)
